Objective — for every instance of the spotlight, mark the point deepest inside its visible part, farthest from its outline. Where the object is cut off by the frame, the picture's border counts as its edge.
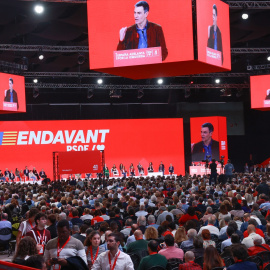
(39, 9)
(140, 94)
(217, 80)
(100, 81)
(41, 57)
(35, 81)
(268, 58)
(35, 92)
(160, 81)
(244, 16)
(90, 93)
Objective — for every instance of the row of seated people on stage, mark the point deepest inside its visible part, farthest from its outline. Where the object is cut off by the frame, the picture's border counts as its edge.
(22, 175)
(139, 223)
(132, 171)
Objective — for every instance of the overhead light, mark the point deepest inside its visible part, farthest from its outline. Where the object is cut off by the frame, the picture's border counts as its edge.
(35, 92)
(244, 16)
(35, 81)
(39, 9)
(217, 80)
(140, 94)
(90, 93)
(41, 57)
(100, 81)
(268, 58)
(160, 81)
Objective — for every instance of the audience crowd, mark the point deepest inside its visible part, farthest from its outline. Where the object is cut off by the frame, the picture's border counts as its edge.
(139, 223)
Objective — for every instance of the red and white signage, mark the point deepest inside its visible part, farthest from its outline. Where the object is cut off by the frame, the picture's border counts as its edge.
(32, 143)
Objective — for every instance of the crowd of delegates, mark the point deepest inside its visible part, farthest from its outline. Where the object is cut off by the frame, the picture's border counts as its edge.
(125, 224)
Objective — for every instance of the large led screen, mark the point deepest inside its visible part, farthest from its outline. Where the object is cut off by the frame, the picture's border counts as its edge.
(32, 143)
(208, 138)
(128, 33)
(213, 33)
(12, 89)
(260, 92)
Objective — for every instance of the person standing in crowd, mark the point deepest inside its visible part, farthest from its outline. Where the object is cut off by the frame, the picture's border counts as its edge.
(229, 170)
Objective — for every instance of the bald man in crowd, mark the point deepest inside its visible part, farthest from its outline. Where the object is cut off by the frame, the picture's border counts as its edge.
(249, 241)
(139, 244)
(189, 262)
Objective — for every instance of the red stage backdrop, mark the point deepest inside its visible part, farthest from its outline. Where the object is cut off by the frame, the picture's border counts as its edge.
(78, 162)
(123, 141)
(201, 134)
(219, 55)
(260, 92)
(8, 81)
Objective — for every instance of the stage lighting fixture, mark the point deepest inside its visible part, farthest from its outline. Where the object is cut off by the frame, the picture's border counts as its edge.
(160, 81)
(187, 92)
(239, 92)
(268, 58)
(90, 93)
(140, 94)
(41, 57)
(100, 81)
(35, 81)
(39, 9)
(35, 92)
(244, 16)
(81, 59)
(115, 93)
(217, 80)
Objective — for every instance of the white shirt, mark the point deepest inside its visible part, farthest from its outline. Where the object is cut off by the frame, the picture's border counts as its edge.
(248, 241)
(141, 213)
(212, 229)
(86, 217)
(123, 262)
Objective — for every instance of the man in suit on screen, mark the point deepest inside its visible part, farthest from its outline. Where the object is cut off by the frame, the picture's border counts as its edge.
(11, 94)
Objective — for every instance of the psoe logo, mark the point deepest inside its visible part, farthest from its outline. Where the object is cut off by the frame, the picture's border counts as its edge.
(8, 137)
(95, 167)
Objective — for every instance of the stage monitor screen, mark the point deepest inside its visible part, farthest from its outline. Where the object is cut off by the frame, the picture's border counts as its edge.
(213, 33)
(32, 143)
(208, 138)
(12, 88)
(260, 92)
(130, 33)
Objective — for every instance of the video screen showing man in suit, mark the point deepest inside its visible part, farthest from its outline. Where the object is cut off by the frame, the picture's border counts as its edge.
(143, 34)
(214, 34)
(11, 94)
(267, 94)
(207, 147)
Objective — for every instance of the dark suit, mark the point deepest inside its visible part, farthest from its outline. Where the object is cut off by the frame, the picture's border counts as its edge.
(11, 176)
(15, 97)
(26, 172)
(211, 41)
(171, 169)
(198, 151)
(155, 38)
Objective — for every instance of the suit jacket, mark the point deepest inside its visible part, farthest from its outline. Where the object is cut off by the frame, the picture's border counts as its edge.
(26, 172)
(155, 38)
(211, 41)
(15, 97)
(198, 151)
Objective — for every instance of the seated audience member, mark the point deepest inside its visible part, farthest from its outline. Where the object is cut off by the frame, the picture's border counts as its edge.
(188, 244)
(75, 220)
(240, 254)
(198, 249)
(81, 232)
(5, 224)
(189, 262)
(97, 217)
(26, 248)
(86, 214)
(126, 230)
(212, 259)
(139, 245)
(249, 241)
(254, 222)
(171, 251)
(258, 246)
(68, 246)
(151, 221)
(207, 239)
(180, 235)
(188, 216)
(93, 248)
(37, 262)
(211, 226)
(151, 234)
(228, 241)
(154, 259)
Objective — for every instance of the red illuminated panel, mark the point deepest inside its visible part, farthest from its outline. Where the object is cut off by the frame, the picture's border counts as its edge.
(12, 89)
(260, 92)
(123, 141)
(169, 28)
(213, 32)
(78, 162)
(202, 136)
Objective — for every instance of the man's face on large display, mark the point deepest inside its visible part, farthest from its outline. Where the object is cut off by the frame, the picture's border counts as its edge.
(205, 134)
(214, 17)
(10, 84)
(139, 15)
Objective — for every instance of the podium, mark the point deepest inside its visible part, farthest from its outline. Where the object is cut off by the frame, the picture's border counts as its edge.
(137, 57)
(213, 57)
(267, 103)
(10, 106)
